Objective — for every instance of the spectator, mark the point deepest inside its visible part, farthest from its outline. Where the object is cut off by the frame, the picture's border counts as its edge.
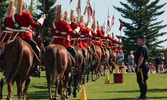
(121, 60)
(163, 59)
(130, 61)
(151, 68)
(158, 63)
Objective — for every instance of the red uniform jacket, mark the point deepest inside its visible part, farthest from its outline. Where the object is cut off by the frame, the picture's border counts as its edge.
(25, 20)
(6, 29)
(99, 38)
(74, 39)
(84, 35)
(61, 31)
(93, 37)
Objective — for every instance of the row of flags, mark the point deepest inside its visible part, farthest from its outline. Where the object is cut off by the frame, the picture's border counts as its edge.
(90, 12)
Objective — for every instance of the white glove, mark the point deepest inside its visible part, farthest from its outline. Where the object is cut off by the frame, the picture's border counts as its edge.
(90, 33)
(89, 26)
(41, 20)
(77, 30)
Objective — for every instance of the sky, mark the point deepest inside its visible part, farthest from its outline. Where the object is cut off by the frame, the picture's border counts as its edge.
(101, 9)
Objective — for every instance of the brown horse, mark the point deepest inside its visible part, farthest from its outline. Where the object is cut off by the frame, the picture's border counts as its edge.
(77, 72)
(97, 57)
(18, 58)
(58, 64)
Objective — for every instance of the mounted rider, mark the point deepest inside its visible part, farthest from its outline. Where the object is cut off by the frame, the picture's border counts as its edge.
(7, 24)
(23, 21)
(61, 32)
(76, 40)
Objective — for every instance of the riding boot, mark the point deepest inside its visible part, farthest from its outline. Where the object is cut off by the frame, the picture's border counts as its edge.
(36, 71)
(83, 52)
(73, 53)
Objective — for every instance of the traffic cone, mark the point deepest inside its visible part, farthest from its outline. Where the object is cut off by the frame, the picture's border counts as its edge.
(124, 71)
(107, 81)
(83, 94)
(117, 69)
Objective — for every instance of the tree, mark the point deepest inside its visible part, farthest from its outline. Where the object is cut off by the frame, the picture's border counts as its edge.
(142, 19)
(3, 8)
(50, 15)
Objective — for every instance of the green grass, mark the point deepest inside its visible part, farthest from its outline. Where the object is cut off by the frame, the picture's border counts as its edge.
(157, 88)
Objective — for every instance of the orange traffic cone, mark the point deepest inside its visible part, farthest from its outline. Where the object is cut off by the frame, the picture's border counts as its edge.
(117, 69)
(107, 81)
(83, 94)
(124, 70)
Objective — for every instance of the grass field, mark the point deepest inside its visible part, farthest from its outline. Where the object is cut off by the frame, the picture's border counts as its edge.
(157, 88)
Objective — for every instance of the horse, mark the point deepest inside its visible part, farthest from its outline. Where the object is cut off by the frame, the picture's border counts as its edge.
(18, 58)
(77, 72)
(58, 65)
(94, 68)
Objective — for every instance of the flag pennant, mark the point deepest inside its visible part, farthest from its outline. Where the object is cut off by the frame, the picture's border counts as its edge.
(70, 1)
(104, 26)
(121, 25)
(108, 23)
(90, 9)
(112, 23)
(93, 16)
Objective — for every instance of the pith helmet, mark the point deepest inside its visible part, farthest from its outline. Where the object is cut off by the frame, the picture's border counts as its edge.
(10, 10)
(19, 9)
(72, 16)
(58, 15)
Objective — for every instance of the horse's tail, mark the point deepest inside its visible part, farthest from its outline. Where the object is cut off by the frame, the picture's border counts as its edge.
(54, 66)
(18, 49)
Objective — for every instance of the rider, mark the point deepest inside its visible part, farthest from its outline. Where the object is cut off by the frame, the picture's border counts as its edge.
(22, 23)
(74, 25)
(7, 24)
(62, 31)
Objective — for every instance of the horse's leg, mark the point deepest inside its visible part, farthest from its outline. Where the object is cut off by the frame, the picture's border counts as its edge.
(69, 84)
(88, 75)
(10, 89)
(19, 83)
(75, 77)
(48, 78)
(26, 86)
(57, 86)
(1, 86)
(67, 78)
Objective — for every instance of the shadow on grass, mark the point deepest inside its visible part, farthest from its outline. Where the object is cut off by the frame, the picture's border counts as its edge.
(129, 91)
(157, 90)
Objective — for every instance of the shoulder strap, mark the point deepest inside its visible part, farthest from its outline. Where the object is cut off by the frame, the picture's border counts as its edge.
(54, 26)
(13, 18)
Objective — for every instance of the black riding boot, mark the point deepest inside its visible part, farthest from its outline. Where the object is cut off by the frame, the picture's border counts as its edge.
(73, 53)
(83, 52)
(36, 71)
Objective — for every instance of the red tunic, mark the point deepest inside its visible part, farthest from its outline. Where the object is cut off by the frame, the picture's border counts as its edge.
(6, 32)
(84, 35)
(99, 38)
(25, 20)
(74, 39)
(61, 31)
(93, 37)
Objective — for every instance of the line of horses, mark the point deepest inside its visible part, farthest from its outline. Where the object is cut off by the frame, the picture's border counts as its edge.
(17, 61)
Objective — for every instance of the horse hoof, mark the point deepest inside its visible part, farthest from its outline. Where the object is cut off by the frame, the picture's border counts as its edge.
(74, 95)
(1, 97)
(54, 98)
